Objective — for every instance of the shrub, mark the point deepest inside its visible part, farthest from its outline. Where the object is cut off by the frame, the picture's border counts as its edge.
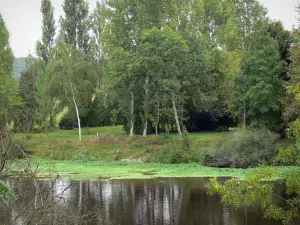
(68, 124)
(222, 129)
(246, 149)
(290, 155)
(176, 153)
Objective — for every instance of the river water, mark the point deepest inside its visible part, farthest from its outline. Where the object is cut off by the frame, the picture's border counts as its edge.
(180, 201)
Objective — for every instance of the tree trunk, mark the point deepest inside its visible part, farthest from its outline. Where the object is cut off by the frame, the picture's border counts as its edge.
(77, 113)
(51, 119)
(157, 121)
(145, 129)
(132, 115)
(244, 119)
(176, 117)
(244, 113)
(146, 107)
(244, 103)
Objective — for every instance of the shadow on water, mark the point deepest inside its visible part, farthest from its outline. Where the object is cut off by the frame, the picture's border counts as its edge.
(180, 201)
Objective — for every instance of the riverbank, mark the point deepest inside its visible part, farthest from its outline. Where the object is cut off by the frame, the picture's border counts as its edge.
(111, 143)
(99, 170)
(109, 153)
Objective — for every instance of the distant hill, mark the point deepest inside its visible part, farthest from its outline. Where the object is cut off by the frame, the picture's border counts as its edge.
(18, 67)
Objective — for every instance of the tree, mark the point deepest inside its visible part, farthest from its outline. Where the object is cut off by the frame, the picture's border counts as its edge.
(243, 18)
(284, 39)
(122, 86)
(46, 104)
(48, 31)
(28, 91)
(75, 25)
(292, 100)
(262, 85)
(160, 57)
(263, 59)
(259, 188)
(98, 27)
(9, 100)
(72, 79)
(9, 93)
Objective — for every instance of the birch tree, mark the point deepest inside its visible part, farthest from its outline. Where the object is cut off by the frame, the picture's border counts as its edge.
(72, 79)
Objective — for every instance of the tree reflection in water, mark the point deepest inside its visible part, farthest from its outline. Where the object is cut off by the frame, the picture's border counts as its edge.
(123, 202)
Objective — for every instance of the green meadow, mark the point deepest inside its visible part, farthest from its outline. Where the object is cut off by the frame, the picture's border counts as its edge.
(109, 153)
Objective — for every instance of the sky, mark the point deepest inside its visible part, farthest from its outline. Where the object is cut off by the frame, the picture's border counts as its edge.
(24, 20)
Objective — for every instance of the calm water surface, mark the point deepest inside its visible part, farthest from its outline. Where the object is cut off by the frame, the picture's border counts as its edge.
(124, 202)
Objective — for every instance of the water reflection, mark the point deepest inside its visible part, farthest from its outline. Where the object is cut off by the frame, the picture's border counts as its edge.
(123, 202)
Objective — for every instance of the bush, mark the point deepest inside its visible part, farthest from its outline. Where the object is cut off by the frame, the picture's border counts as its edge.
(245, 149)
(68, 124)
(289, 156)
(175, 154)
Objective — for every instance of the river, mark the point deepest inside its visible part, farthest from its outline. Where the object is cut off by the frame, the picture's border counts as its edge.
(180, 201)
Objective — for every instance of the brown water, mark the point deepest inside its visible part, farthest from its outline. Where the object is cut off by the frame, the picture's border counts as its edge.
(124, 202)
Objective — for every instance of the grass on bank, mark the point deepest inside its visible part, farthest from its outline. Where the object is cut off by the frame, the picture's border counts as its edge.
(113, 144)
(99, 170)
(58, 152)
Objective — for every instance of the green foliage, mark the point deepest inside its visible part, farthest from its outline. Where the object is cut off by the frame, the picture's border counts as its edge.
(48, 31)
(67, 124)
(75, 25)
(176, 154)
(28, 92)
(248, 148)
(258, 188)
(289, 155)
(291, 101)
(262, 68)
(6, 193)
(9, 93)
(67, 70)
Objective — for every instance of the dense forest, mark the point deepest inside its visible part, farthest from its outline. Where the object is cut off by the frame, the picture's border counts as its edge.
(159, 67)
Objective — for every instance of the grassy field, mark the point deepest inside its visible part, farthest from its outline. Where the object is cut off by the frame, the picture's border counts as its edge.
(64, 144)
(115, 155)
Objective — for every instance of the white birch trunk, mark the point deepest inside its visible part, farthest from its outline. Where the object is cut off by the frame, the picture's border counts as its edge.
(145, 129)
(77, 113)
(176, 117)
(146, 108)
(132, 115)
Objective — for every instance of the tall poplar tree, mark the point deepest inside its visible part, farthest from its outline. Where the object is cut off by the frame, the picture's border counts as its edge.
(48, 31)
(75, 25)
